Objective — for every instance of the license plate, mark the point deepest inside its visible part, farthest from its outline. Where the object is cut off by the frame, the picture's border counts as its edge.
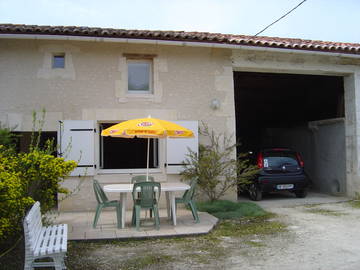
(287, 186)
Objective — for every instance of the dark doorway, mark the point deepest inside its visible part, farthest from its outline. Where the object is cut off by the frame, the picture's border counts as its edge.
(23, 140)
(121, 153)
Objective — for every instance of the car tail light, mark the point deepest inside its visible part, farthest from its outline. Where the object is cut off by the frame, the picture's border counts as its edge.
(301, 162)
(260, 161)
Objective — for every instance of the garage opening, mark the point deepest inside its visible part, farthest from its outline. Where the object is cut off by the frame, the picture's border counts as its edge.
(301, 112)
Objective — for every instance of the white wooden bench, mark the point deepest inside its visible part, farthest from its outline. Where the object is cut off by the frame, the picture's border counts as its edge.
(43, 242)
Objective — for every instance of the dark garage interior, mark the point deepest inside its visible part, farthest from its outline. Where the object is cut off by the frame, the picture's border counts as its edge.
(278, 110)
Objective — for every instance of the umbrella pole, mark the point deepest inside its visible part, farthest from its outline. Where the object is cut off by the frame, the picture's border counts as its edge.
(147, 160)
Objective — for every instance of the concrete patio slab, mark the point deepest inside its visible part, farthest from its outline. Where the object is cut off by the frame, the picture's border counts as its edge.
(80, 225)
(287, 199)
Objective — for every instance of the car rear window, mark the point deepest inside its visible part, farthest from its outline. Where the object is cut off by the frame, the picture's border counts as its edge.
(278, 159)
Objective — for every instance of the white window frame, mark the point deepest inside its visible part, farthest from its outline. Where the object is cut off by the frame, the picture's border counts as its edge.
(150, 91)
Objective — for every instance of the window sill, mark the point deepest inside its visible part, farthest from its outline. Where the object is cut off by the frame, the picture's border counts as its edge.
(143, 95)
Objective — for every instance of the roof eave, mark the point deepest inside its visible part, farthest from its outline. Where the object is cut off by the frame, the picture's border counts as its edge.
(189, 43)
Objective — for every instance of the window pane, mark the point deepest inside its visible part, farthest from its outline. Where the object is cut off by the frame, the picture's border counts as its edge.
(58, 61)
(138, 76)
(121, 153)
(277, 159)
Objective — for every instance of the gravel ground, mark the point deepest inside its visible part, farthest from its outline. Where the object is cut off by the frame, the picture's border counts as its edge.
(322, 237)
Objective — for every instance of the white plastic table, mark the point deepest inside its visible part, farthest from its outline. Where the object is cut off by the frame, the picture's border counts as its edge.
(168, 187)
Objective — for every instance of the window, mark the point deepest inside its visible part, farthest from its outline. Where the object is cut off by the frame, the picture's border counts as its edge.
(139, 76)
(277, 159)
(121, 153)
(58, 60)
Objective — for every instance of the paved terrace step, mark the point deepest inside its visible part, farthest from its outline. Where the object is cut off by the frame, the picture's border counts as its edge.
(80, 225)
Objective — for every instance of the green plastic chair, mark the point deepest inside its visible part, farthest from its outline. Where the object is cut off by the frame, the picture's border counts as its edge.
(188, 199)
(141, 178)
(104, 202)
(150, 194)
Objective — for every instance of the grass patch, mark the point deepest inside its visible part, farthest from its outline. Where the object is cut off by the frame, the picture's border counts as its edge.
(325, 212)
(355, 203)
(311, 205)
(231, 210)
(146, 261)
(249, 226)
(203, 249)
(254, 244)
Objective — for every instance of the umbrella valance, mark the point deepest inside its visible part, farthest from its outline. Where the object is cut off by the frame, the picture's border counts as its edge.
(147, 128)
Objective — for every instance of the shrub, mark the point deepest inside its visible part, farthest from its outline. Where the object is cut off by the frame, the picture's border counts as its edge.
(28, 177)
(25, 178)
(215, 166)
(13, 201)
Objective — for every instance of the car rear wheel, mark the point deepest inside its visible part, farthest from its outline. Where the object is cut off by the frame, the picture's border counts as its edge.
(301, 193)
(255, 193)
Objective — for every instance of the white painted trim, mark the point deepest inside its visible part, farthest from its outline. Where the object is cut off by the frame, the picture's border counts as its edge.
(175, 43)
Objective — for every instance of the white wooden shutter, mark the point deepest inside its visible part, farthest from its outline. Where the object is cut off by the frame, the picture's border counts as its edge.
(177, 148)
(77, 142)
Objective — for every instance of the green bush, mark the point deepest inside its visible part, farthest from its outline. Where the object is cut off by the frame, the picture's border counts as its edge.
(231, 210)
(13, 201)
(25, 178)
(216, 166)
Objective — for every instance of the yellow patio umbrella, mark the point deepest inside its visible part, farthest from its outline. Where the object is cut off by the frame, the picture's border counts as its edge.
(147, 128)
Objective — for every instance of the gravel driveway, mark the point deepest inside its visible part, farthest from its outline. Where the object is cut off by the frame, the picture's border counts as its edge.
(323, 233)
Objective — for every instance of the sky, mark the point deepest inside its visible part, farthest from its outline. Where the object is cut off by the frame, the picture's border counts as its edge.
(327, 20)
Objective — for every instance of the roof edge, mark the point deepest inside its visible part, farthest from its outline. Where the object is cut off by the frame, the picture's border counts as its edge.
(198, 38)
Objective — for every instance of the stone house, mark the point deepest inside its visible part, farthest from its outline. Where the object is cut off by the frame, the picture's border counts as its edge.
(267, 91)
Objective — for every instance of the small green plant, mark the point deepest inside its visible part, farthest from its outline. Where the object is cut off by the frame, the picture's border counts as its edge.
(7, 137)
(216, 166)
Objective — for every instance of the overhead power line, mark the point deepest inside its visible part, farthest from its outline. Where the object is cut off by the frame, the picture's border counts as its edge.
(283, 16)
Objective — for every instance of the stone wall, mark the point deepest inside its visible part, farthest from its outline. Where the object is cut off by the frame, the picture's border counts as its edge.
(93, 86)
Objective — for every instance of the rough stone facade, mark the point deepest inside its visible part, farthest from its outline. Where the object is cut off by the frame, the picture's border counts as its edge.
(186, 78)
(92, 86)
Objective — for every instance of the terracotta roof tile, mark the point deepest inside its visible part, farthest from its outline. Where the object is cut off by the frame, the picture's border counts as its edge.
(257, 41)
